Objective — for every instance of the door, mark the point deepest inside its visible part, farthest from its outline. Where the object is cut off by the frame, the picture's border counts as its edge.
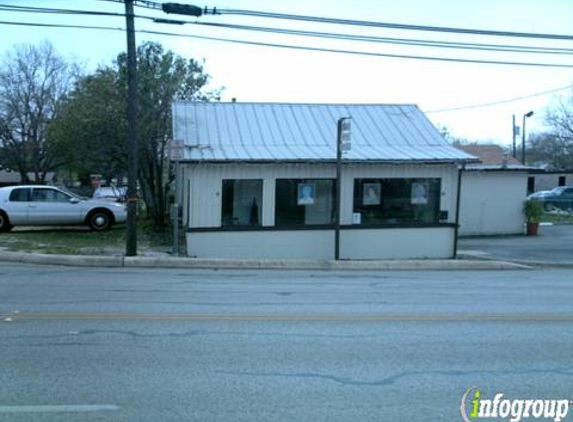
(18, 204)
(52, 206)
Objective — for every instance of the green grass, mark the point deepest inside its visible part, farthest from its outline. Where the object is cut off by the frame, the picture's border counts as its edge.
(80, 241)
(557, 218)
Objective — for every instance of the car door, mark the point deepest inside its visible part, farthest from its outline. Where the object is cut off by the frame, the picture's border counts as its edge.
(17, 206)
(52, 206)
(567, 196)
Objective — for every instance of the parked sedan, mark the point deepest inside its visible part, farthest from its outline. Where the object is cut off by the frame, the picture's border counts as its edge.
(557, 198)
(47, 205)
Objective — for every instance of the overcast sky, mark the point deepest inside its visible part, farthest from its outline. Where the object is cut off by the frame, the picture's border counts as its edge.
(271, 74)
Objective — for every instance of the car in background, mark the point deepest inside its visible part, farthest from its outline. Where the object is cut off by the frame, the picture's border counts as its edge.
(111, 193)
(48, 205)
(557, 198)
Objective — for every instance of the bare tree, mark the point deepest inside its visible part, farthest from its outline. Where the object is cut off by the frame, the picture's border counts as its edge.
(33, 81)
(557, 145)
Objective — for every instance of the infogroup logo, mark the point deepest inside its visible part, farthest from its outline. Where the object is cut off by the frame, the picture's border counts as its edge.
(474, 407)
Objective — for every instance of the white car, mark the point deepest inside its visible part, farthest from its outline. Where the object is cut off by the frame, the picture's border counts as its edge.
(111, 193)
(47, 205)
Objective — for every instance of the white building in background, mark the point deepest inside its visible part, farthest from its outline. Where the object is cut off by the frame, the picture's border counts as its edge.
(260, 182)
(493, 192)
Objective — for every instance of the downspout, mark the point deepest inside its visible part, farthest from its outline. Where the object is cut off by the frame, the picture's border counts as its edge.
(458, 200)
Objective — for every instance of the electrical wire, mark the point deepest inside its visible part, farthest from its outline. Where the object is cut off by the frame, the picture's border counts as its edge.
(326, 35)
(425, 28)
(27, 9)
(350, 22)
(399, 41)
(306, 48)
(498, 102)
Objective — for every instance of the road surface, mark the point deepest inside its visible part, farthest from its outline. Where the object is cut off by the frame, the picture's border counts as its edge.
(144, 345)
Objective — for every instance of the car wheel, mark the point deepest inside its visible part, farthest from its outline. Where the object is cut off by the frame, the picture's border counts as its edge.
(4, 222)
(100, 220)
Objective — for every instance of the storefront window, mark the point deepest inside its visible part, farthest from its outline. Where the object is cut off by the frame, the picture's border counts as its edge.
(304, 202)
(242, 202)
(396, 201)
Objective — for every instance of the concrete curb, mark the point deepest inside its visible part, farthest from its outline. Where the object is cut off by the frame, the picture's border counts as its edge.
(71, 260)
(526, 262)
(172, 262)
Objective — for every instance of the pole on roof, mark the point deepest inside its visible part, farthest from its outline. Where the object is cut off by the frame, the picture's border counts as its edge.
(458, 202)
(342, 144)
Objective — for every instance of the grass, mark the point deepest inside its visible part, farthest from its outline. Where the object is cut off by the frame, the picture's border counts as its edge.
(80, 240)
(557, 218)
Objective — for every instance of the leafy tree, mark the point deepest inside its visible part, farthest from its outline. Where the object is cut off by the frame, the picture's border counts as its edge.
(33, 83)
(94, 123)
(90, 130)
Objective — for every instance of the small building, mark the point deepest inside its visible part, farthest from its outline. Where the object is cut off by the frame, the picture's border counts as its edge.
(493, 192)
(260, 182)
(547, 179)
(11, 178)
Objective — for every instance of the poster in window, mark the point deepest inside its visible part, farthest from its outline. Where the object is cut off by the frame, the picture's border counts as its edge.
(306, 192)
(371, 194)
(419, 193)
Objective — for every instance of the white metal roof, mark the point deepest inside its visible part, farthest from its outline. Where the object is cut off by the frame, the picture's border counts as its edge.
(307, 132)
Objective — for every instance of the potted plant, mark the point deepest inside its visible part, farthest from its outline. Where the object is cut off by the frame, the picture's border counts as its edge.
(533, 211)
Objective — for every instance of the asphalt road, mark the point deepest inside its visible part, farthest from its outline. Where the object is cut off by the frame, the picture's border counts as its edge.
(172, 345)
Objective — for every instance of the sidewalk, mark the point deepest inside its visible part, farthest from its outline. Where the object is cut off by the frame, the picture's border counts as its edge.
(552, 248)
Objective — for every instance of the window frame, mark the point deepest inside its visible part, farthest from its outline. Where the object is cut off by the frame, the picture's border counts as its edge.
(297, 201)
(225, 218)
(408, 209)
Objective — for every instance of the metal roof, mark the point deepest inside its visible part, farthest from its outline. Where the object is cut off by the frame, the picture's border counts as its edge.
(307, 132)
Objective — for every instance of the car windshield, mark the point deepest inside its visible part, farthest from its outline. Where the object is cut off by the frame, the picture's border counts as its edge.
(69, 192)
(558, 190)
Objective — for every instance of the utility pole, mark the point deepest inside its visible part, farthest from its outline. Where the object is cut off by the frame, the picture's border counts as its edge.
(132, 149)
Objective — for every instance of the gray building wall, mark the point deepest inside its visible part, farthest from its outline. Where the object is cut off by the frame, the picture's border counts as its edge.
(203, 202)
(548, 181)
(492, 202)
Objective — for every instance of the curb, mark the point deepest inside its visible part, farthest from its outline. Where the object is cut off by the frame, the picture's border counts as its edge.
(191, 263)
(70, 260)
(528, 263)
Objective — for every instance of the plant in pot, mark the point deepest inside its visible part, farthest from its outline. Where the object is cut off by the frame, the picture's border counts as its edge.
(533, 211)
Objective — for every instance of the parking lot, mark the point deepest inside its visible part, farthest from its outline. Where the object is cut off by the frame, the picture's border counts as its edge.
(553, 246)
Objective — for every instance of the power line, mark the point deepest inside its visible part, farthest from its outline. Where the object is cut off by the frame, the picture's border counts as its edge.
(399, 41)
(327, 35)
(351, 22)
(494, 103)
(44, 10)
(390, 25)
(304, 48)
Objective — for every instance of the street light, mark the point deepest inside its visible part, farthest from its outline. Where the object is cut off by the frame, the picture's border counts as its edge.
(525, 116)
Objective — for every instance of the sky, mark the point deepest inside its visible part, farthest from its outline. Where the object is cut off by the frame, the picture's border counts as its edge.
(253, 73)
